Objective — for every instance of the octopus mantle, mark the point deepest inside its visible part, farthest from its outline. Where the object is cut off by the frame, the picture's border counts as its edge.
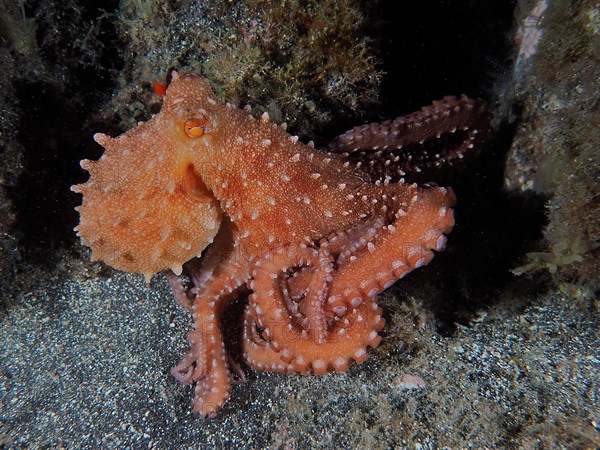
(239, 203)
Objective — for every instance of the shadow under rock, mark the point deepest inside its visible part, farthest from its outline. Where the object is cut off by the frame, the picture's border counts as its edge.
(494, 229)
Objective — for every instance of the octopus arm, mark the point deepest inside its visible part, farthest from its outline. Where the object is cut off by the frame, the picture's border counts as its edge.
(336, 317)
(396, 249)
(206, 365)
(420, 146)
(317, 345)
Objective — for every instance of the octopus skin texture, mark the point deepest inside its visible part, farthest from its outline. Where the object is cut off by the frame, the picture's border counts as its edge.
(239, 204)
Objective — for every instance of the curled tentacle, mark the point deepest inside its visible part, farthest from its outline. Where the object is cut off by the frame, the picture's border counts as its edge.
(193, 365)
(301, 345)
(345, 246)
(258, 351)
(310, 308)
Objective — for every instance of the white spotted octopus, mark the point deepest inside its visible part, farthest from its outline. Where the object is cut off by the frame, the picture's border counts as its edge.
(240, 204)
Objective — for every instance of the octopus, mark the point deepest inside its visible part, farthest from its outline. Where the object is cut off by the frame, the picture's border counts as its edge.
(236, 204)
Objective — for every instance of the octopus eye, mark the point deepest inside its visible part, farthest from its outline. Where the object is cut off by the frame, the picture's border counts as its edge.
(194, 128)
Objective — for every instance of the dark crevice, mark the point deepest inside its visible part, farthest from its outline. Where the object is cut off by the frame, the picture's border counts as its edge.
(81, 59)
(493, 230)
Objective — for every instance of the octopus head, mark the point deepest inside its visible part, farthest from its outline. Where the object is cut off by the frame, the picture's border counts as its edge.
(145, 206)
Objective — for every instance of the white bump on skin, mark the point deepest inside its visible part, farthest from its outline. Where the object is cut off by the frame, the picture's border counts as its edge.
(319, 364)
(209, 224)
(340, 362)
(296, 157)
(359, 354)
(266, 142)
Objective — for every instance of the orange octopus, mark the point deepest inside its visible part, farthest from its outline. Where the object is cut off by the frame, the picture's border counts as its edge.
(312, 234)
